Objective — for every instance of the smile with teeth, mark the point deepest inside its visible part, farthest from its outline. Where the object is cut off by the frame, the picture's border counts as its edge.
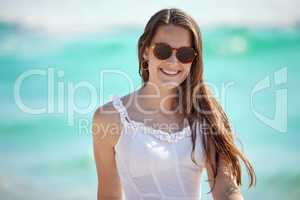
(170, 72)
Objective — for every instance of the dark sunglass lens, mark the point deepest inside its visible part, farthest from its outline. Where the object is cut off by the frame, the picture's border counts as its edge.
(162, 51)
(185, 54)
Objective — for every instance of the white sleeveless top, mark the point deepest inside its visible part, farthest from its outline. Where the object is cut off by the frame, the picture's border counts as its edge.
(156, 165)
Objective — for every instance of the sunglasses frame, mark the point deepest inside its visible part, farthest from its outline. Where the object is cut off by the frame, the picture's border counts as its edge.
(173, 48)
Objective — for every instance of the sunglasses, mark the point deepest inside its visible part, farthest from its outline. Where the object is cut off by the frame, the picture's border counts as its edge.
(163, 51)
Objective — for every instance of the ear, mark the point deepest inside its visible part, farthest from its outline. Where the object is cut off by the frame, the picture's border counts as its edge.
(146, 53)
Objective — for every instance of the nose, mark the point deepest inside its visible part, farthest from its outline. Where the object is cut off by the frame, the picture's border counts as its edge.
(173, 58)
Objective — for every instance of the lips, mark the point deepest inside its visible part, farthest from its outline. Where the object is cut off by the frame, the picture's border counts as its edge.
(170, 72)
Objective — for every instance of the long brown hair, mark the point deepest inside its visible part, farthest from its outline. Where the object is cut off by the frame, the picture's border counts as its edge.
(218, 139)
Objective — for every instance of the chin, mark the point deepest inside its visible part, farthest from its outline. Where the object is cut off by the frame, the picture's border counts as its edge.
(169, 84)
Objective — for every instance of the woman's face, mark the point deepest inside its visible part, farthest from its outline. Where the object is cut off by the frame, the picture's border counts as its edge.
(168, 73)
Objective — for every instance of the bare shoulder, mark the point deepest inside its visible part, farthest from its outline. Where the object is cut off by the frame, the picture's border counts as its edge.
(106, 124)
(106, 114)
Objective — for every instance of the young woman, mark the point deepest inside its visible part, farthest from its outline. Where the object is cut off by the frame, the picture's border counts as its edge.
(155, 142)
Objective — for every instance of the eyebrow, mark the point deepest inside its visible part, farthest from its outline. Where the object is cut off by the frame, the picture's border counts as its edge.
(171, 45)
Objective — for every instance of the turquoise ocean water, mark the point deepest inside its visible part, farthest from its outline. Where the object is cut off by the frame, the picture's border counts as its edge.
(49, 155)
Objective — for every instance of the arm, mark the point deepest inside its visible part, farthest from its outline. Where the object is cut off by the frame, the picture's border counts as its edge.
(225, 185)
(109, 186)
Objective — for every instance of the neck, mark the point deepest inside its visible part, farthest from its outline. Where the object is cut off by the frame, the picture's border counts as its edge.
(157, 99)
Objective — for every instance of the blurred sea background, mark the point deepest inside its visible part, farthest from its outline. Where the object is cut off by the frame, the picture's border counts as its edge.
(251, 54)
